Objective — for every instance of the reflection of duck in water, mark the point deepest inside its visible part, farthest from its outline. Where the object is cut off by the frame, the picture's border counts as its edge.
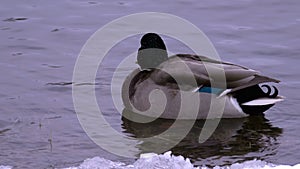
(243, 93)
(234, 140)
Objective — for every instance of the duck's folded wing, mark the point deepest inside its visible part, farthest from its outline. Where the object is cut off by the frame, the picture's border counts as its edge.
(177, 72)
(207, 72)
(257, 79)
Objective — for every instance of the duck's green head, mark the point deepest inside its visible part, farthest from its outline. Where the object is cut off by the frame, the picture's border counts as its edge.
(152, 51)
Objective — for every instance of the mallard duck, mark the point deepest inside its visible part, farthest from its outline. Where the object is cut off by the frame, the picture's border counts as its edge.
(246, 92)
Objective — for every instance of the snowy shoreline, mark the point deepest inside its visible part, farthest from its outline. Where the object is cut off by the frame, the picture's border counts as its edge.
(169, 161)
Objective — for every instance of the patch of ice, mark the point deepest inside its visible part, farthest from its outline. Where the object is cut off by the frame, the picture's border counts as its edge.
(5, 167)
(258, 164)
(147, 161)
(165, 161)
(169, 161)
(99, 163)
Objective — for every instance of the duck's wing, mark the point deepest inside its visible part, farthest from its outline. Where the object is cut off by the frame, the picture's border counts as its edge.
(206, 71)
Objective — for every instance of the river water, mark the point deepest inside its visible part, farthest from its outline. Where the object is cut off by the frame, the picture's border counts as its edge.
(40, 42)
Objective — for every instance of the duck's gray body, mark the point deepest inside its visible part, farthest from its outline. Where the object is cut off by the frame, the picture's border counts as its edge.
(238, 92)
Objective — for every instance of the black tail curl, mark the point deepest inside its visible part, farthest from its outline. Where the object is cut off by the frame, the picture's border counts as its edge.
(252, 93)
(255, 92)
(268, 94)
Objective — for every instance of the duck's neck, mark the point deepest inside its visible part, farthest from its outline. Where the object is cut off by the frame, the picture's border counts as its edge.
(151, 57)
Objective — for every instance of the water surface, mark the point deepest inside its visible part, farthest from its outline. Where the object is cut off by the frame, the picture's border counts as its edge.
(40, 42)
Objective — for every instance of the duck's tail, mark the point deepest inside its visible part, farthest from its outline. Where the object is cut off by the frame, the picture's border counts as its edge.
(253, 100)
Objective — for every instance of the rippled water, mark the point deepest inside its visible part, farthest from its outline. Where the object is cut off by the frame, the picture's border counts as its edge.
(40, 42)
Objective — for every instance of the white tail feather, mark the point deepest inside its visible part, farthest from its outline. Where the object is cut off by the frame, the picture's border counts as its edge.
(225, 92)
(263, 101)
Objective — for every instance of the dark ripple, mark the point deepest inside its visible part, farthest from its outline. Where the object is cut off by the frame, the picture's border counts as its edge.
(6, 126)
(60, 83)
(15, 19)
(27, 47)
(52, 66)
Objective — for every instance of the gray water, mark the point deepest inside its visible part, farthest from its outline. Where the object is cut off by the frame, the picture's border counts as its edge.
(40, 42)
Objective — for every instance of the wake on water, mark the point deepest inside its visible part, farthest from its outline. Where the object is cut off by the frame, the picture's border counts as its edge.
(168, 161)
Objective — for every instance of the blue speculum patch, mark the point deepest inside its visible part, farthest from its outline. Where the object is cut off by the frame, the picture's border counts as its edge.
(210, 90)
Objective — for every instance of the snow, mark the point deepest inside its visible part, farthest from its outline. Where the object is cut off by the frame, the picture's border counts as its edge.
(169, 161)
(5, 167)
